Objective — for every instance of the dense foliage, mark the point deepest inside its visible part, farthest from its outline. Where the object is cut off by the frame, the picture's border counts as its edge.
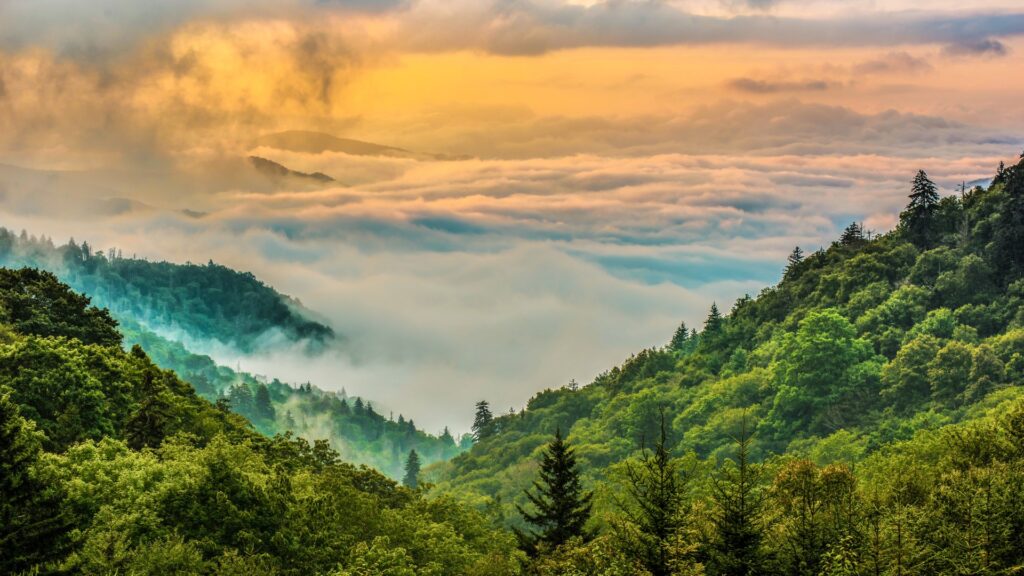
(352, 426)
(899, 356)
(210, 302)
(110, 465)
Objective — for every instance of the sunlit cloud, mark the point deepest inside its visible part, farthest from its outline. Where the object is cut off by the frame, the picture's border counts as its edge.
(574, 178)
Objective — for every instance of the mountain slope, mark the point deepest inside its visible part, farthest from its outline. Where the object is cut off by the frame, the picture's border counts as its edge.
(319, 142)
(210, 302)
(200, 304)
(276, 171)
(353, 428)
(862, 346)
(110, 465)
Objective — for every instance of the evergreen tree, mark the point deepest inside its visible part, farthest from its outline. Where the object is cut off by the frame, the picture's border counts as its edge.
(562, 506)
(1000, 174)
(917, 220)
(242, 400)
(412, 470)
(1009, 235)
(654, 490)
(680, 338)
(264, 408)
(794, 260)
(713, 324)
(483, 422)
(739, 515)
(33, 527)
(853, 235)
(447, 437)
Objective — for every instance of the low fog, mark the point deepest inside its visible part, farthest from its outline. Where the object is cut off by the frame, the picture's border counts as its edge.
(455, 281)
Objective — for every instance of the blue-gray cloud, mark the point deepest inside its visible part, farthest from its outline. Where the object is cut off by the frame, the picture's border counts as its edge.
(754, 86)
(975, 47)
(106, 28)
(534, 27)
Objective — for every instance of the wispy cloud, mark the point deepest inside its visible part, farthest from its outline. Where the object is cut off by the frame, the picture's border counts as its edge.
(754, 86)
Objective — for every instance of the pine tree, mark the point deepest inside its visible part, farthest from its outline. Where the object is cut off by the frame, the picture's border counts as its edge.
(654, 487)
(680, 338)
(242, 400)
(1009, 235)
(1000, 174)
(713, 324)
(739, 514)
(918, 218)
(33, 526)
(562, 506)
(412, 470)
(794, 260)
(852, 235)
(447, 437)
(264, 407)
(483, 422)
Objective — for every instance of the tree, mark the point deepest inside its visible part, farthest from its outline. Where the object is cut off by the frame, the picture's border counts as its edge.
(33, 526)
(1009, 235)
(483, 422)
(713, 324)
(447, 438)
(736, 549)
(242, 400)
(148, 425)
(35, 302)
(818, 372)
(412, 470)
(794, 260)
(918, 218)
(654, 509)
(264, 408)
(562, 506)
(680, 338)
(853, 235)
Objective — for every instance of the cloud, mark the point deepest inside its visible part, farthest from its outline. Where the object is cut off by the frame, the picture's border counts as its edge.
(984, 47)
(495, 278)
(894, 63)
(752, 86)
(786, 126)
(535, 27)
(101, 29)
(105, 30)
(202, 89)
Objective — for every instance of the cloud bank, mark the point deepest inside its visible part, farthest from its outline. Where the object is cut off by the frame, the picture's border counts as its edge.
(618, 165)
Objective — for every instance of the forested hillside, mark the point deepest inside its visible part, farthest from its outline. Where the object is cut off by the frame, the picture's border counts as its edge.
(213, 303)
(353, 427)
(204, 302)
(863, 416)
(110, 465)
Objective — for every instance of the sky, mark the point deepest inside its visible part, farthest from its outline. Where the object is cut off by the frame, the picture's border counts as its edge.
(581, 175)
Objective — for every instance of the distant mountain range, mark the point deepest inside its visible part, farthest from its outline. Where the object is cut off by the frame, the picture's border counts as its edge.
(274, 170)
(309, 142)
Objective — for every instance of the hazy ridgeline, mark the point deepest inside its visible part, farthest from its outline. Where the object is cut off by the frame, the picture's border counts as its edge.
(863, 416)
(174, 309)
